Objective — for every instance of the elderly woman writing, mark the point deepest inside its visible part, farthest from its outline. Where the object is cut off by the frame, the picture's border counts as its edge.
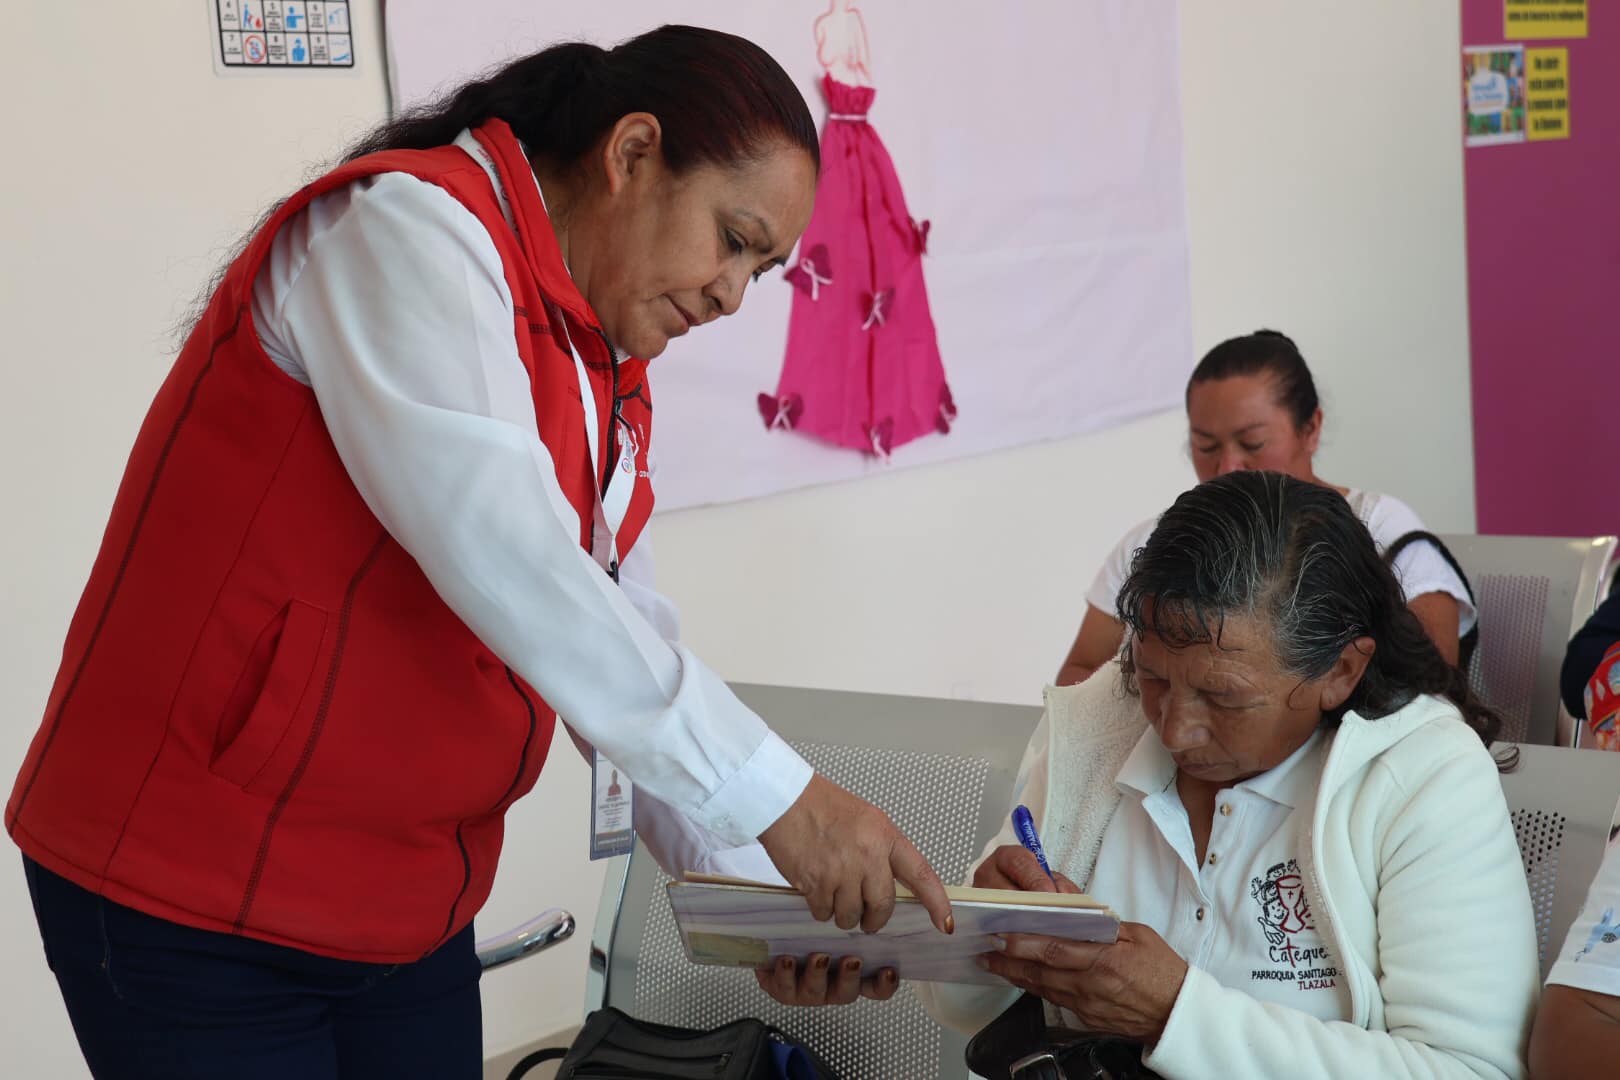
(1285, 792)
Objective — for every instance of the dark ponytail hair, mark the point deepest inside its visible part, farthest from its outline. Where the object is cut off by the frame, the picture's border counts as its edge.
(1264, 352)
(1295, 556)
(720, 99)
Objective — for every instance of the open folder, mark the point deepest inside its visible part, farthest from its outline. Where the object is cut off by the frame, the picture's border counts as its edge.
(735, 923)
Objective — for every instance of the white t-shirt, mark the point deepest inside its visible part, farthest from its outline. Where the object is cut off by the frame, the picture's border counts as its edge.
(1242, 916)
(1420, 568)
(1591, 956)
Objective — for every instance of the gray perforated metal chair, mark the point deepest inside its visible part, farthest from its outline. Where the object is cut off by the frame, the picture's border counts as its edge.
(943, 770)
(1564, 804)
(1533, 593)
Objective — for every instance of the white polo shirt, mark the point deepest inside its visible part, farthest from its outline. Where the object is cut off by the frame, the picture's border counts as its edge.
(1242, 915)
(1591, 956)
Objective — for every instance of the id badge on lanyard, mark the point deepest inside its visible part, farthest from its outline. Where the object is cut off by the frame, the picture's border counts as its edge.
(613, 829)
(612, 794)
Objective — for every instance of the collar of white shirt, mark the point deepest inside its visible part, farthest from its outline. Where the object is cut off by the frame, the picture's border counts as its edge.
(469, 143)
(1150, 769)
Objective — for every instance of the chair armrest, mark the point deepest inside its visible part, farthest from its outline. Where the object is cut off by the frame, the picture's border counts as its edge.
(541, 932)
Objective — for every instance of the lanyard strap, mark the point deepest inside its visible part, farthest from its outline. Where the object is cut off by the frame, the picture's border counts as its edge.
(608, 507)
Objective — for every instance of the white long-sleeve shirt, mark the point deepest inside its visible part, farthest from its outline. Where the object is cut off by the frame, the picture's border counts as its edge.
(388, 298)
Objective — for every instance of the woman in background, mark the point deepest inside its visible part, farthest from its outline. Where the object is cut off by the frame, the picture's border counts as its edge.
(1590, 679)
(1252, 404)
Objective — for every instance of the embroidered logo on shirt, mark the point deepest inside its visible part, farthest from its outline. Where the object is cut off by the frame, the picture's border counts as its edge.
(1606, 932)
(1285, 913)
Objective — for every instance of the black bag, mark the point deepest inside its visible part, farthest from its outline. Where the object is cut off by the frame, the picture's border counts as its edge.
(1469, 641)
(1018, 1045)
(614, 1046)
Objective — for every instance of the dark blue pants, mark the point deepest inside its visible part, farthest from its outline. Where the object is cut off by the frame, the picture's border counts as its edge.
(153, 1000)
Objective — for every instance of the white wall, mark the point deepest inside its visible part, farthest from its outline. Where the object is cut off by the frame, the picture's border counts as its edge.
(1325, 198)
(130, 168)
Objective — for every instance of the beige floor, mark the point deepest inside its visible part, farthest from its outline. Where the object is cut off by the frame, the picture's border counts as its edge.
(496, 1068)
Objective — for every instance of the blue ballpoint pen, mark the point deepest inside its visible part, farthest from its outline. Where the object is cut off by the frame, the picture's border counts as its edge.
(1024, 826)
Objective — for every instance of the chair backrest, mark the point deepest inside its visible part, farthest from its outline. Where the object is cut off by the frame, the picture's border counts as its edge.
(943, 770)
(1564, 804)
(1533, 593)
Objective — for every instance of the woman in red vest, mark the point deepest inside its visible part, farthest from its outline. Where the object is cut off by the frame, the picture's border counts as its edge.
(367, 550)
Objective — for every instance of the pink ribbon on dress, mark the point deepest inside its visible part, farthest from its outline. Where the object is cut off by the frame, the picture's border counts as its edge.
(947, 411)
(812, 271)
(808, 265)
(882, 436)
(874, 303)
(780, 412)
(919, 233)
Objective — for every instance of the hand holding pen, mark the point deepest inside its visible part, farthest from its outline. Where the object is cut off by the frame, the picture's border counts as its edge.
(1021, 866)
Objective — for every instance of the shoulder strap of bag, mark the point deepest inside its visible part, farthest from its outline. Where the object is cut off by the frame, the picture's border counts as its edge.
(1469, 641)
(746, 1049)
(1019, 1045)
(529, 1062)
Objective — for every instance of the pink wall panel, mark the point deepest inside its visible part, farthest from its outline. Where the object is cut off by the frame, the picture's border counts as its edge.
(1544, 301)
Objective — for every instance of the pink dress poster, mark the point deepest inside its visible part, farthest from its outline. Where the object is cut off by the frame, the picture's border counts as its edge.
(862, 368)
(998, 251)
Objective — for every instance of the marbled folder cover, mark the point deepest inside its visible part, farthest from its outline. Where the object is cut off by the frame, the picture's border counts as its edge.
(743, 925)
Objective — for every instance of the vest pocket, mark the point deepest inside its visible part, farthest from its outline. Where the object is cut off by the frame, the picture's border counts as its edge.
(259, 716)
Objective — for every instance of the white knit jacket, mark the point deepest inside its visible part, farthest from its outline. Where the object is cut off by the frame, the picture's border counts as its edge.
(1410, 865)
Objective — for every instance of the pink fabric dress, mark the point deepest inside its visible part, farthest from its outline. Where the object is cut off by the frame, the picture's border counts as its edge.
(862, 367)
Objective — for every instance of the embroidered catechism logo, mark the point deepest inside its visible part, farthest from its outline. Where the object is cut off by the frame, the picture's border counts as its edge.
(1285, 914)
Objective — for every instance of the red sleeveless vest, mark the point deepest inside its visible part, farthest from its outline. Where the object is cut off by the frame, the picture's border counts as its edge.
(266, 721)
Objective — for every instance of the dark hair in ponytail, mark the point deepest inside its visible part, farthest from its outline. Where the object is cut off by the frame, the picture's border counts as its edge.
(720, 99)
(1293, 555)
(1264, 352)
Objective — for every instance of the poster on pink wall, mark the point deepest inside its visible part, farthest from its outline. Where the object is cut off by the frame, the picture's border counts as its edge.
(997, 256)
(1493, 94)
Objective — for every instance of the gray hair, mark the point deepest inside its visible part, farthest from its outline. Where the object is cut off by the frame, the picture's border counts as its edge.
(1294, 557)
